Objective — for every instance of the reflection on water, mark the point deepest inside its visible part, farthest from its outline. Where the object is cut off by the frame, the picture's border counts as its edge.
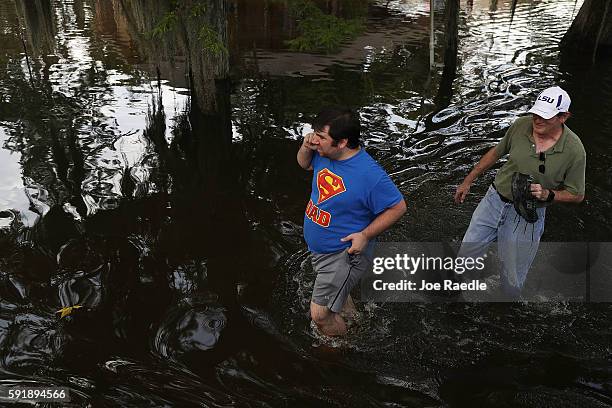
(168, 205)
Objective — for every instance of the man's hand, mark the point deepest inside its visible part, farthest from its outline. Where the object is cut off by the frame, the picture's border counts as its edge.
(538, 192)
(305, 152)
(307, 143)
(462, 192)
(485, 162)
(358, 242)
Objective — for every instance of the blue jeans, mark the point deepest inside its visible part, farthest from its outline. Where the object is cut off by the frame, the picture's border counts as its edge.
(517, 240)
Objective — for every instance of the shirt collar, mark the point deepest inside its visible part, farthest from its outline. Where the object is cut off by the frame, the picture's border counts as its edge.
(559, 145)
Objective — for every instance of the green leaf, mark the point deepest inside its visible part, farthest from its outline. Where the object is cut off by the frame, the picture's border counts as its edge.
(167, 23)
(211, 41)
(320, 31)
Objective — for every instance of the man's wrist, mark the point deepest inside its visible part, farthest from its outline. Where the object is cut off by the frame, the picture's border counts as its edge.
(550, 197)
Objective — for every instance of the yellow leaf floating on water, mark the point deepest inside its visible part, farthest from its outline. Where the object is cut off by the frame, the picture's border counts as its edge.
(66, 311)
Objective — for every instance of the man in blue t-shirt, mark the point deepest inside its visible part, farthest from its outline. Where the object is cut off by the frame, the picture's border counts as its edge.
(352, 201)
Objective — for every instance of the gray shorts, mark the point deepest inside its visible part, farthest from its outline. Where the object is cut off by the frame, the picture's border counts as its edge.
(337, 274)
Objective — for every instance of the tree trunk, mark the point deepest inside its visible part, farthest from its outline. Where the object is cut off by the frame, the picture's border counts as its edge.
(445, 90)
(189, 37)
(39, 25)
(590, 35)
(207, 66)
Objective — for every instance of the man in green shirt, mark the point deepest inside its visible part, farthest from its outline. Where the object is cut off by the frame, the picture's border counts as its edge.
(543, 147)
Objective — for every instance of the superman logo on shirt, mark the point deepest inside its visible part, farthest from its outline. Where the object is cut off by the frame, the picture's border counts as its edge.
(329, 185)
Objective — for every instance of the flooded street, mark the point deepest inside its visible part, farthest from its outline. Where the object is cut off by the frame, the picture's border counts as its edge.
(172, 214)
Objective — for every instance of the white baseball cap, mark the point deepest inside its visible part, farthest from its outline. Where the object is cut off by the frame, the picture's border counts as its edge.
(550, 102)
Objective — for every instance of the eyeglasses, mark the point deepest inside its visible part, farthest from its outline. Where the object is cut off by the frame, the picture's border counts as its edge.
(542, 167)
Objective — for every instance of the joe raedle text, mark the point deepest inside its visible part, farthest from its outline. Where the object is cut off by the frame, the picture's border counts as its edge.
(403, 272)
(445, 285)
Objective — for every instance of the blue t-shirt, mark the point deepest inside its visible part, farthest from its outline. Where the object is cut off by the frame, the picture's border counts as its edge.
(346, 197)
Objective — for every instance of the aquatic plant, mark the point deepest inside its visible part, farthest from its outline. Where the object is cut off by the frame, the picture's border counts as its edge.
(319, 31)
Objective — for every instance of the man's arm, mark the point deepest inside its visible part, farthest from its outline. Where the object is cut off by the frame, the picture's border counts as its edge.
(562, 196)
(384, 220)
(304, 155)
(488, 160)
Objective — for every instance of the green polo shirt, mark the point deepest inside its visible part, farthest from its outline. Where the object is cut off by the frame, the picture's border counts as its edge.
(565, 162)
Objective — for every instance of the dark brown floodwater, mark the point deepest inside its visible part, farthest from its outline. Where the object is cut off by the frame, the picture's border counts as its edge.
(182, 239)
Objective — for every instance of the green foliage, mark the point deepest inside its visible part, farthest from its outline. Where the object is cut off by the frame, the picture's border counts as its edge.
(197, 10)
(167, 23)
(320, 31)
(211, 41)
(190, 13)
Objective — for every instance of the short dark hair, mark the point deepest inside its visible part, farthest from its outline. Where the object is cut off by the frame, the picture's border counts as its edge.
(343, 124)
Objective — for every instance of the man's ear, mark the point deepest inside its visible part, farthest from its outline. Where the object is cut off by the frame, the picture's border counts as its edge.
(342, 143)
(566, 116)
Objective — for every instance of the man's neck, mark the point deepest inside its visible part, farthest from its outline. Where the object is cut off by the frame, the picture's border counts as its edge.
(549, 136)
(347, 153)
